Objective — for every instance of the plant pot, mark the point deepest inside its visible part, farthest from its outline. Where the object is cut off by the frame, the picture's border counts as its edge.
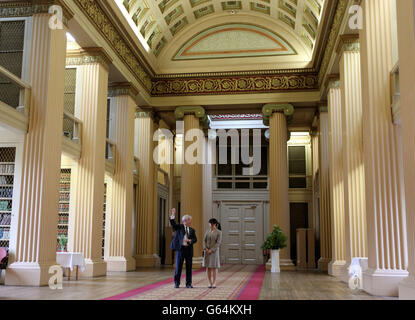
(275, 261)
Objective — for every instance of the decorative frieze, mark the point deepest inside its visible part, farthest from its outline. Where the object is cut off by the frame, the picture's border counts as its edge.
(233, 85)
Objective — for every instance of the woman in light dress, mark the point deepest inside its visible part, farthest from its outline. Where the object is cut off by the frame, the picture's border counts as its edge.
(211, 244)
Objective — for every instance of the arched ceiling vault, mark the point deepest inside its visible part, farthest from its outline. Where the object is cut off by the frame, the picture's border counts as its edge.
(172, 31)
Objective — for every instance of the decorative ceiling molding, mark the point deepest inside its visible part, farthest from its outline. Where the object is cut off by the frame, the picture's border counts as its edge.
(234, 40)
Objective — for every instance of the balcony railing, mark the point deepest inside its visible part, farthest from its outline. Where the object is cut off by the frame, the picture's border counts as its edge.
(72, 133)
(110, 156)
(15, 108)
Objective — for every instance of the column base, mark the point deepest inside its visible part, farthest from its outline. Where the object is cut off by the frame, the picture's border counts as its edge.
(287, 265)
(383, 283)
(335, 268)
(407, 289)
(147, 260)
(94, 268)
(120, 264)
(28, 274)
(323, 264)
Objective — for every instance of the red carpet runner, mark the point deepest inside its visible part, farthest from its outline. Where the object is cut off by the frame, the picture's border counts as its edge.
(234, 282)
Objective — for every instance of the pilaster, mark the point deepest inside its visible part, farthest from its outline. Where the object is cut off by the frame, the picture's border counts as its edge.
(33, 233)
(337, 263)
(385, 205)
(406, 39)
(86, 219)
(146, 220)
(325, 218)
(119, 219)
(353, 164)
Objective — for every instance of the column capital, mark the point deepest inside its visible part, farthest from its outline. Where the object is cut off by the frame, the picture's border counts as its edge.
(348, 43)
(333, 81)
(269, 109)
(122, 89)
(88, 56)
(143, 114)
(197, 111)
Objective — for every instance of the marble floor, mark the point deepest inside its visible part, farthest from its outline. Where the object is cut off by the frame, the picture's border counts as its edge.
(284, 286)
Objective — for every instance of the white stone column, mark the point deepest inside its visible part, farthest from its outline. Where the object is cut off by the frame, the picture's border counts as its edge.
(336, 178)
(325, 218)
(406, 39)
(276, 117)
(33, 232)
(86, 210)
(119, 217)
(353, 166)
(385, 205)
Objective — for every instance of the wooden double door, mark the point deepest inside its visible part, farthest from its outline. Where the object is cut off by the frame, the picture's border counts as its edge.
(243, 234)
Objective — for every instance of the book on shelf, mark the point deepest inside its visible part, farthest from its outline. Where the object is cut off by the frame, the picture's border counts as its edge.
(7, 168)
(5, 205)
(5, 219)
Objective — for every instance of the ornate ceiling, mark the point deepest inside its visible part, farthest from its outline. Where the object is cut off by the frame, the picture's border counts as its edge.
(291, 27)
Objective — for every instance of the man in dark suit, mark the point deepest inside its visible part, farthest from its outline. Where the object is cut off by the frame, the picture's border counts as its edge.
(183, 243)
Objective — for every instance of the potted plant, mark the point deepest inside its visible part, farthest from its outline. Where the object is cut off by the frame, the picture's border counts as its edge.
(275, 241)
(62, 240)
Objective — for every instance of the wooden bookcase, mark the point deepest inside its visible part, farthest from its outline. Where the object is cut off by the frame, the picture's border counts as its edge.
(103, 220)
(64, 200)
